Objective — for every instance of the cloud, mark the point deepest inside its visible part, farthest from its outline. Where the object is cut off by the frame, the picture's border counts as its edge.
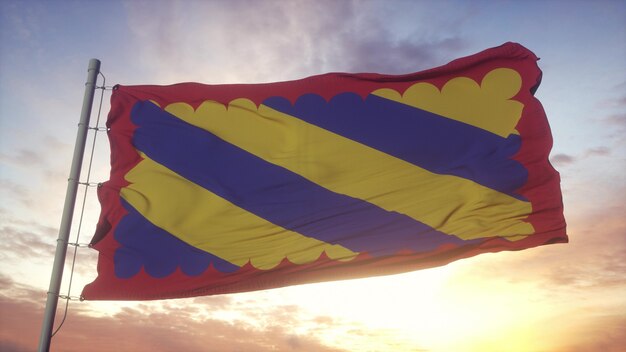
(600, 332)
(561, 159)
(218, 302)
(598, 151)
(597, 253)
(28, 246)
(22, 157)
(275, 40)
(15, 191)
(616, 120)
(614, 102)
(18, 244)
(144, 330)
(225, 323)
(408, 56)
(617, 127)
(34, 183)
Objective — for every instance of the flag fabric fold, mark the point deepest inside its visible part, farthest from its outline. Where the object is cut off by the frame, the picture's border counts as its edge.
(230, 188)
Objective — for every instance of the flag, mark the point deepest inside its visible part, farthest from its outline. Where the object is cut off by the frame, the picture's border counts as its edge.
(229, 188)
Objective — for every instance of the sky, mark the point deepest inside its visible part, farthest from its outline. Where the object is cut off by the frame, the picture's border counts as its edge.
(565, 297)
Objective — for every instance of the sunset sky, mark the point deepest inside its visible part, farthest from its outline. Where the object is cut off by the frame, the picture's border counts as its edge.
(565, 297)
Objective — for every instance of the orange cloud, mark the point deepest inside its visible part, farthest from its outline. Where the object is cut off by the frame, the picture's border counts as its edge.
(139, 329)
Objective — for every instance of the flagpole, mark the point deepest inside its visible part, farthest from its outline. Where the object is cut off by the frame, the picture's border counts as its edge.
(68, 209)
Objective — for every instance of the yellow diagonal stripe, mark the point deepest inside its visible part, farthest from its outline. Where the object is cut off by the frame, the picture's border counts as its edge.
(448, 203)
(487, 106)
(209, 222)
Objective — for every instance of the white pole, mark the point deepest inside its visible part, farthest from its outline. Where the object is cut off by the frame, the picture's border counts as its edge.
(68, 209)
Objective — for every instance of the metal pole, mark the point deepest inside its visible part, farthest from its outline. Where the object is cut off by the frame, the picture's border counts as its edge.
(68, 209)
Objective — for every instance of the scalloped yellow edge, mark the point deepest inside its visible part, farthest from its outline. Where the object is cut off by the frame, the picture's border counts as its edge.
(488, 106)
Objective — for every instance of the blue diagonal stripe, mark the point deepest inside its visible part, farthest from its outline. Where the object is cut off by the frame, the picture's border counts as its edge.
(274, 193)
(435, 143)
(144, 245)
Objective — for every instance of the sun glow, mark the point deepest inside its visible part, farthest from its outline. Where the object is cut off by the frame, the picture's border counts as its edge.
(446, 310)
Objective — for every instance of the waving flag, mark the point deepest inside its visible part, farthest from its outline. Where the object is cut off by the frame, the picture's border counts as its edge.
(229, 188)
